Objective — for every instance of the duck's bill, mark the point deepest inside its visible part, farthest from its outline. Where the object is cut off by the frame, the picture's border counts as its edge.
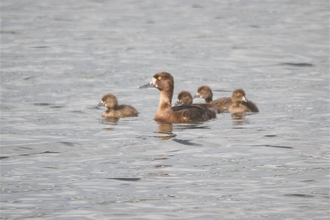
(244, 99)
(99, 105)
(196, 96)
(149, 85)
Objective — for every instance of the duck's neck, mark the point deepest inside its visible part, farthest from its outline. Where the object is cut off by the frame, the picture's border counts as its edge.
(165, 101)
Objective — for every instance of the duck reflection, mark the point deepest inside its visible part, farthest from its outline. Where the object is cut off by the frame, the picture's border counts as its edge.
(239, 119)
(166, 130)
(165, 127)
(111, 119)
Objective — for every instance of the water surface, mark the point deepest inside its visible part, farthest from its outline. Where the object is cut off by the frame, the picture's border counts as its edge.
(61, 160)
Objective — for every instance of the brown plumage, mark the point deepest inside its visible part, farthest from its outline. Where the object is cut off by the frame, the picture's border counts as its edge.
(164, 82)
(184, 98)
(221, 104)
(240, 103)
(114, 110)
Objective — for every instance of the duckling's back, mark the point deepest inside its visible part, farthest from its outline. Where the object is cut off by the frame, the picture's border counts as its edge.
(121, 111)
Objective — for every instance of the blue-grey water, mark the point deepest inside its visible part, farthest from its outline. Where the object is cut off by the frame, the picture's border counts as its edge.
(61, 160)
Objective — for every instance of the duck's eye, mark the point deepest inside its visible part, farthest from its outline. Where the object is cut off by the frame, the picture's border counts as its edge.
(159, 78)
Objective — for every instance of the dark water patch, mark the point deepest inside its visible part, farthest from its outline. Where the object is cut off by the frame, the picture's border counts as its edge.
(77, 111)
(197, 6)
(186, 142)
(276, 146)
(40, 47)
(162, 166)
(45, 152)
(57, 106)
(184, 127)
(160, 158)
(67, 143)
(49, 152)
(31, 77)
(3, 157)
(8, 32)
(166, 137)
(270, 135)
(41, 104)
(299, 195)
(297, 64)
(125, 179)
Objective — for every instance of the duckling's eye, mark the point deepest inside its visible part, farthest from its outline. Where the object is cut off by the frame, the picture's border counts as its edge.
(159, 78)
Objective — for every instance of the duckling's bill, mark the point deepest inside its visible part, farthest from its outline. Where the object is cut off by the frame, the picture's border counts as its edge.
(196, 96)
(100, 104)
(244, 99)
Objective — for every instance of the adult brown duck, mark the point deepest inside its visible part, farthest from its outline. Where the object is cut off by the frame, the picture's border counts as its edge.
(164, 82)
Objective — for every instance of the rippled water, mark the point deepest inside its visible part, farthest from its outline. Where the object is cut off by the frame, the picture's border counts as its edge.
(61, 160)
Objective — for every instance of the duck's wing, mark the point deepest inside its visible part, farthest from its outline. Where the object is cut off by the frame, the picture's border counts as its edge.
(222, 104)
(250, 105)
(190, 113)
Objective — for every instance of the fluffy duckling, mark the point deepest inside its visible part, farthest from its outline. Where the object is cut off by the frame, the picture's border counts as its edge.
(221, 104)
(114, 110)
(240, 103)
(184, 98)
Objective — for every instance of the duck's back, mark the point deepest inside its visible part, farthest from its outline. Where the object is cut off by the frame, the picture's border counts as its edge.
(222, 104)
(192, 113)
(121, 111)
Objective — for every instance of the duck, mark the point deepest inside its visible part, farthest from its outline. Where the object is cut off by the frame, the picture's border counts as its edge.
(221, 104)
(240, 103)
(114, 110)
(164, 82)
(184, 98)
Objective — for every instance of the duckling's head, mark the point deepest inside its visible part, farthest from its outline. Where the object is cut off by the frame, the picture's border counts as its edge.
(162, 81)
(109, 100)
(238, 96)
(204, 92)
(184, 98)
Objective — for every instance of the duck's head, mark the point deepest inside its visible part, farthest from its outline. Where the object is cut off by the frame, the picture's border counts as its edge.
(109, 101)
(204, 92)
(184, 98)
(238, 96)
(162, 81)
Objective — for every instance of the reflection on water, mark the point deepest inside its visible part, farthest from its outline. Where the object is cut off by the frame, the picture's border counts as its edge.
(111, 119)
(166, 130)
(165, 127)
(61, 159)
(239, 119)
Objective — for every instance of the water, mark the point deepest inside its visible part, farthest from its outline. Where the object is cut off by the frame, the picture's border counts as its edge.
(61, 160)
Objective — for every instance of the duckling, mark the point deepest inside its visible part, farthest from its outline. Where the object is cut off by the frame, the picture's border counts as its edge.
(164, 82)
(114, 110)
(184, 98)
(240, 103)
(221, 104)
